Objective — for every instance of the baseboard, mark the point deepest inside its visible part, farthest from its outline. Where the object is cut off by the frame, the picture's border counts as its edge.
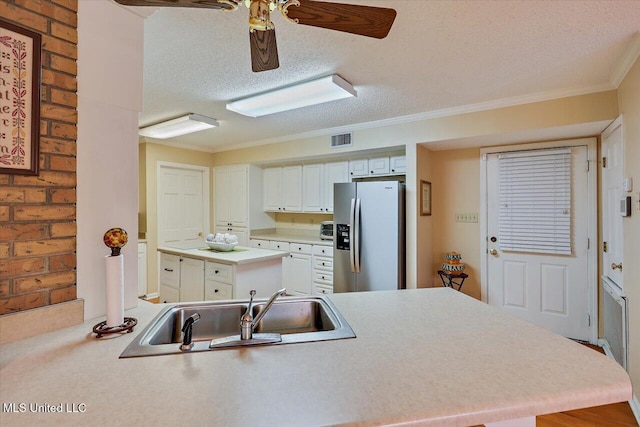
(635, 407)
(37, 321)
(633, 403)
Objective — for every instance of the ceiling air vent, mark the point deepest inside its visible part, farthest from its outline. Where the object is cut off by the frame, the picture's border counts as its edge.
(343, 140)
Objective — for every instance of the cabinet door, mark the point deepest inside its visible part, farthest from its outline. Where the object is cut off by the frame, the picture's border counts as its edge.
(142, 269)
(292, 189)
(259, 244)
(333, 173)
(238, 195)
(221, 195)
(297, 274)
(169, 294)
(272, 190)
(170, 270)
(312, 195)
(191, 279)
(379, 166)
(398, 164)
(359, 167)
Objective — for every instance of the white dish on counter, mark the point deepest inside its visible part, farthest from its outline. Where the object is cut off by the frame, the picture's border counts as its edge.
(222, 247)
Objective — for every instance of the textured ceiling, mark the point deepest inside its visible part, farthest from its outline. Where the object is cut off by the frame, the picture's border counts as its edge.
(439, 55)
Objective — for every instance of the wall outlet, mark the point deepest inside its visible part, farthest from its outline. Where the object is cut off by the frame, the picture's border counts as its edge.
(466, 217)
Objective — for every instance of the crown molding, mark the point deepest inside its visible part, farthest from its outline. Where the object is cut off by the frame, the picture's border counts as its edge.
(445, 112)
(627, 61)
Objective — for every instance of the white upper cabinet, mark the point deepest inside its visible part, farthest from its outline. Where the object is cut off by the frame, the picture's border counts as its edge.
(379, 166)
(292, 188)
(238, 201)
(359, 167)
(312, 179)
(272, 180)
(232, 195)
(398, 164)
(318, 183)
(333, 173)
(283, 189)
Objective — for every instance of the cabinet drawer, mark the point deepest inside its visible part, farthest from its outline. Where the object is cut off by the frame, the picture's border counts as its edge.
(300, 248)
(219, 272)
(322, 289)
(279, 246)
(322, 263)
(217, 290)
(261, 244)
(323, 250)
(170, 270)
(323, 277)
(169, 294)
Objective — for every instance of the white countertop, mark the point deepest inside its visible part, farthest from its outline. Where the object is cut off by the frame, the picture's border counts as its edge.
(239, 255)
(433, 356)
(310, 237)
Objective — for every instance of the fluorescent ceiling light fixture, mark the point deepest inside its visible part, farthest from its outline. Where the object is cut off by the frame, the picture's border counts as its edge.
(180, 126)
(325, 89)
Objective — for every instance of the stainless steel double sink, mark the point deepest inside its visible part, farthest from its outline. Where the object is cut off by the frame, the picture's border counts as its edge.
(297, 319)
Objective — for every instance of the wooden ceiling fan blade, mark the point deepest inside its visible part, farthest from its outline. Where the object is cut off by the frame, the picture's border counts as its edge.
(264, 50)
(204, 4)
(349, 18)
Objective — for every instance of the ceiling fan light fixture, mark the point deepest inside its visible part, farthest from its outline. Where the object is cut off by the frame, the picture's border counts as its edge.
(179, 126)
(319, 91)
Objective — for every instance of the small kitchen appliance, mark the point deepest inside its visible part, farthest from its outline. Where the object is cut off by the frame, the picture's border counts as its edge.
(326, 230)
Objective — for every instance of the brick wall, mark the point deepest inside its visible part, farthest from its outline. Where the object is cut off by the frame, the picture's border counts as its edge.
(37, 213)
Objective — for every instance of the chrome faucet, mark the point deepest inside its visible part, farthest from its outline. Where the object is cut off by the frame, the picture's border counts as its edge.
(247, 322)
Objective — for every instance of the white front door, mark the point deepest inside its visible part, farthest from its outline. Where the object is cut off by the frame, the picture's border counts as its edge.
(612, 193)
(542, 278)
(182, 205)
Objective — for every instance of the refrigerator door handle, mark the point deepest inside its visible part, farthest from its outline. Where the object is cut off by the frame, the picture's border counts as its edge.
(352, 215)
(356, 242)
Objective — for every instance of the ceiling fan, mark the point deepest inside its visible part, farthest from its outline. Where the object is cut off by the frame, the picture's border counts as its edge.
(349, 18)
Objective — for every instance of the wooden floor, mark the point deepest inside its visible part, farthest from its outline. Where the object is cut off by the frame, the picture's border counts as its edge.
(616, 415)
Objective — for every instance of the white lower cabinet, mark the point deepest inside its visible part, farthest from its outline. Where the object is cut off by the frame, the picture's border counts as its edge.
(322, 269)
(296, 271)
(181, 279)
(218, 283)
(142, 269)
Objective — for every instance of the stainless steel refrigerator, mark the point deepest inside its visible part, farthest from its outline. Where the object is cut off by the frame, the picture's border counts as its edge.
(369, 236)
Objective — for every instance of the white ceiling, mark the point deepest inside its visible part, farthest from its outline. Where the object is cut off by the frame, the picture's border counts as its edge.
(440, 57)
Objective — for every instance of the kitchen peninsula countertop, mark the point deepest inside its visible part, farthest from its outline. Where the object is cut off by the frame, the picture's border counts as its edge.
(239, 255)
(428, 356)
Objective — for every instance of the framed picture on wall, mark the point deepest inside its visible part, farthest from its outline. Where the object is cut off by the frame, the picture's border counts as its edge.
(20, 50)
(425, 198)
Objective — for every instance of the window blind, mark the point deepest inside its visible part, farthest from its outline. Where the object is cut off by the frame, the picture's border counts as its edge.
(535, 201)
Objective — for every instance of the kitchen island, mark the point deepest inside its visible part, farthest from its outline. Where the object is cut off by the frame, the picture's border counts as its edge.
(198, 274)
(425, 356)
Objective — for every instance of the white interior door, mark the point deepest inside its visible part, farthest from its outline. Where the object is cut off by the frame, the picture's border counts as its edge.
(183, 205)
(612, 193)
(527, 278)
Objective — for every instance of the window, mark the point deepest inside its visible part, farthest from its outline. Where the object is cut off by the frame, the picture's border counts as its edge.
(535, 201)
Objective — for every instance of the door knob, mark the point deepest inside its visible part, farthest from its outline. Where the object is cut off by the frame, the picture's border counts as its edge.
(493, 252)
(615, 266)
(200, 234)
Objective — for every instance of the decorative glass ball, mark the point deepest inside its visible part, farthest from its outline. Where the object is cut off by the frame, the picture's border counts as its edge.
(115, 238)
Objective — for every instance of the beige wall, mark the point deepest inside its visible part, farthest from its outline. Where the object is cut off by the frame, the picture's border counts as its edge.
(424, 229)
(629, 101)
(456, 189)
(301, 221)
(150, 155)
